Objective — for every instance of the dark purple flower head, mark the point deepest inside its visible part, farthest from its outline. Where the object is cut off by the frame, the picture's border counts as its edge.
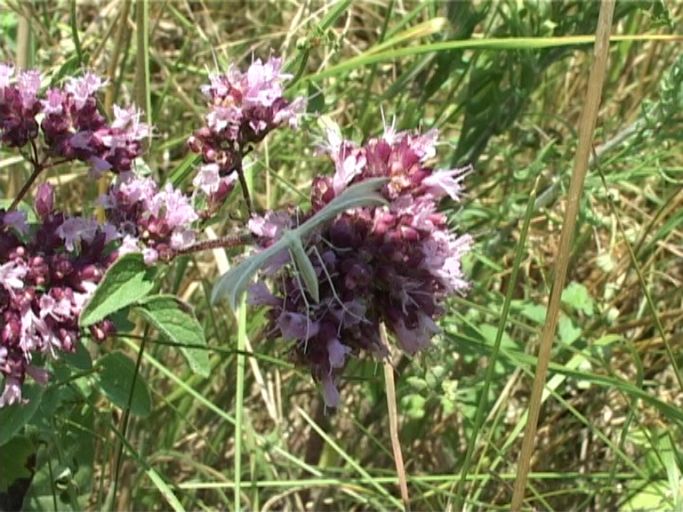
(75, 129)
(47, 273)
(19, 106)
(392, 264)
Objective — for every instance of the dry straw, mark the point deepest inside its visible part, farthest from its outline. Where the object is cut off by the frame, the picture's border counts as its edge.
(588, 120)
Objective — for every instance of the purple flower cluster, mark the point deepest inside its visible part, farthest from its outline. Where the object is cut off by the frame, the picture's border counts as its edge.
(47, 273)
(393, 264)
(72, 125)
(150, 220)
(243, 109)
(19, 106)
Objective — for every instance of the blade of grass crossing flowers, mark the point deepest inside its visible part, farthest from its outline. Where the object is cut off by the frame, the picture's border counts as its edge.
(587, 124)
(393, 422)
(239, 398)
(350, 460)
(490, 371)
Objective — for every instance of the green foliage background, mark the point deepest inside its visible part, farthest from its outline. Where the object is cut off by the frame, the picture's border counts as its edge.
(610, 429)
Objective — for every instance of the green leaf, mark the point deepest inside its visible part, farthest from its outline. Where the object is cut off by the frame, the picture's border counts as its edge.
(568, 332)
(303, 265)
(176, 321)
(13, 417)
(127, 281)
(577, 297)
(116, 375)
(233, 283)
(413, 405)
(14, 456)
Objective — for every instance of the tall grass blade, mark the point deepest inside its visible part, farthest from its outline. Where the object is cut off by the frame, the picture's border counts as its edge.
(490, 371)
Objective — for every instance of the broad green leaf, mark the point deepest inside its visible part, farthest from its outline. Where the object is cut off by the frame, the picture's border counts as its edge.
(79, 359)
(14, 456)
(127, 281)
(15, 416)
(116, 375)
(233, 283)
(176, 321)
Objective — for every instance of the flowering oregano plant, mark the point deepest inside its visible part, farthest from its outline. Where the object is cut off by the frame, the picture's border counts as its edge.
(372, 248)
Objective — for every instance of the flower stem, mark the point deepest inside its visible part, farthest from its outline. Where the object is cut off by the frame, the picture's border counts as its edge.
(245, 188)
(224, 242)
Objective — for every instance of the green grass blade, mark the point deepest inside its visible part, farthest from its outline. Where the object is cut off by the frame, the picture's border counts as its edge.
(239, 398)
(490, 371)
(350, 460)
(496, 43)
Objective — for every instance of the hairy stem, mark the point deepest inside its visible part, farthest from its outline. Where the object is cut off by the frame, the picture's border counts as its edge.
(224, 242)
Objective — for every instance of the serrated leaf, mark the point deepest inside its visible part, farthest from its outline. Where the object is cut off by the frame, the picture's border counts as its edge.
(14, 417)
(176, 321)
(115, 377)
(568, 332)
(233, 283)
(576, 296)
(125, 282)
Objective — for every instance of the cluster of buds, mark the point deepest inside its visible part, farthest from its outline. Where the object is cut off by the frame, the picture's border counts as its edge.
(72, 125)
(152, 221)
(391, 265)
(48, 271)
(243, 109)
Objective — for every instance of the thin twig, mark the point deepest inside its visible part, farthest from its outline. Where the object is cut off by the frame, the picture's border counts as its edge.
(393, 422)
(588, 120)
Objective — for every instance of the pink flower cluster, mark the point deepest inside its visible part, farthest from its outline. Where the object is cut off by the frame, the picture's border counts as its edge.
(72, 125)
(243, 109)
(153, 221)
(393, 264)
(47, 273)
